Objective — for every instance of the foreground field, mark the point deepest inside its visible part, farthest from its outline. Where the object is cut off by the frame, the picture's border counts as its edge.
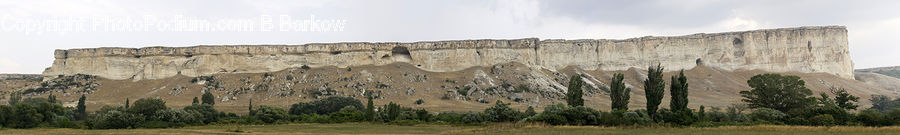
(496, 129)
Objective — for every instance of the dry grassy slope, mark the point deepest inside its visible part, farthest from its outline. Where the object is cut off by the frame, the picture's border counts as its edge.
(7, 86)
(405, 84)
(880, 80)
(893, 71)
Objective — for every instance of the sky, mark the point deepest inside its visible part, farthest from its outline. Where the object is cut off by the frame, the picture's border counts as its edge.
(30, 30)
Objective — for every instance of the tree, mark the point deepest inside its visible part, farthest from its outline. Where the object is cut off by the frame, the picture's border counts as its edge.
(778, 92)
(324, 106)
(844, 99)
(574, 94)
(51, 98)
(147, 107)
(114, 118)
(249, 108)
(881, 102)
(530, 112)
(347, 114)
(209, 114)
(208, 98)
(196, 101)
(6, 115)
(618, 93)
(127, 101)
(679, 92)
(701, 115)
(654, 88)
(392, 110)
(50, 111)
(370, 108)
(26, 116)
(14, 98)
(501, 112)
(269, 114)
(81, 109)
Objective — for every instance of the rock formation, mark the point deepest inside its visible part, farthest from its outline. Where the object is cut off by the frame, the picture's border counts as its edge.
(822, 49)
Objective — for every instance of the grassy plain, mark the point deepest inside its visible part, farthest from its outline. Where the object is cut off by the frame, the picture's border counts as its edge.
(493, 129)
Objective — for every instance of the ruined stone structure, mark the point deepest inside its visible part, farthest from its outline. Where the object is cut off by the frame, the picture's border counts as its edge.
(821, 49)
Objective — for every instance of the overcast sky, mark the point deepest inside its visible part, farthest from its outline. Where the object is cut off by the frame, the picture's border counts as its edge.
(32, 29)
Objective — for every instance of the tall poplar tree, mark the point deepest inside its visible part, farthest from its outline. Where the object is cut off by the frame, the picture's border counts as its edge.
(574, 94)
(654, 88)
(679, 92)
(618, 93)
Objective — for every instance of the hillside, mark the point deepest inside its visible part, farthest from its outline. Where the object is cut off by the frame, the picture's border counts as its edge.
(889, 71)
(466, 90)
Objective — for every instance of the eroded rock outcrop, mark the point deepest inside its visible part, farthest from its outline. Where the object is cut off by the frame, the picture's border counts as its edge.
(805, 49)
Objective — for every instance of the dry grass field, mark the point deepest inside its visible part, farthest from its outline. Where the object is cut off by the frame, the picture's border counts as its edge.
(494, 129)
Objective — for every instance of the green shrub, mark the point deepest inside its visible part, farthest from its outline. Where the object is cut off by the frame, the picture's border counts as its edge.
(840, 115)
(582, 116)
(204, 112)
(561, 114)
(822, 120)
(530, 112)
(636, 117)
(388, 112)
(315, 118)
(269, 114)
(347, 114)
(550, 118)
(872, 117)
(622, 117)
(159, 124)
(147, 107)
(449, 117)
(176, 116)
(680, 117)
(718, 117)
(464, 92)
(893, 115)
(797, 121)
(406, 122)
(768, 115)
(25, 116)
(420, 102)
(471, 118)
(114, 118)
(612, 118)
(501, 112)
(66, 123)
(423, 115)
(6, 115)
(324, 106)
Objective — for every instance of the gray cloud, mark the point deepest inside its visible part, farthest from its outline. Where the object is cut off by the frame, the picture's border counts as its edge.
(656, 13)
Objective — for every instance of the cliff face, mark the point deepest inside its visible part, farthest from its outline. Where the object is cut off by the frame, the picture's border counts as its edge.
(804, 49)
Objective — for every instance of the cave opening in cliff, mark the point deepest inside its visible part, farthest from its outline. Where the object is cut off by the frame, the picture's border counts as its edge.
(809, 45)
(699, 62)
(401, 54)
(738, 47)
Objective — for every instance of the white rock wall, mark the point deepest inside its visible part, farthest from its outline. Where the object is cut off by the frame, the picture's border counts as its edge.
(804, 49)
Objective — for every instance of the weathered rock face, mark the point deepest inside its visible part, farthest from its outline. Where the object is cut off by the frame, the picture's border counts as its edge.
(804, 49)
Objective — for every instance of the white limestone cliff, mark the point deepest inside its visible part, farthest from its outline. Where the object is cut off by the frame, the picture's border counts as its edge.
(821, 49)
